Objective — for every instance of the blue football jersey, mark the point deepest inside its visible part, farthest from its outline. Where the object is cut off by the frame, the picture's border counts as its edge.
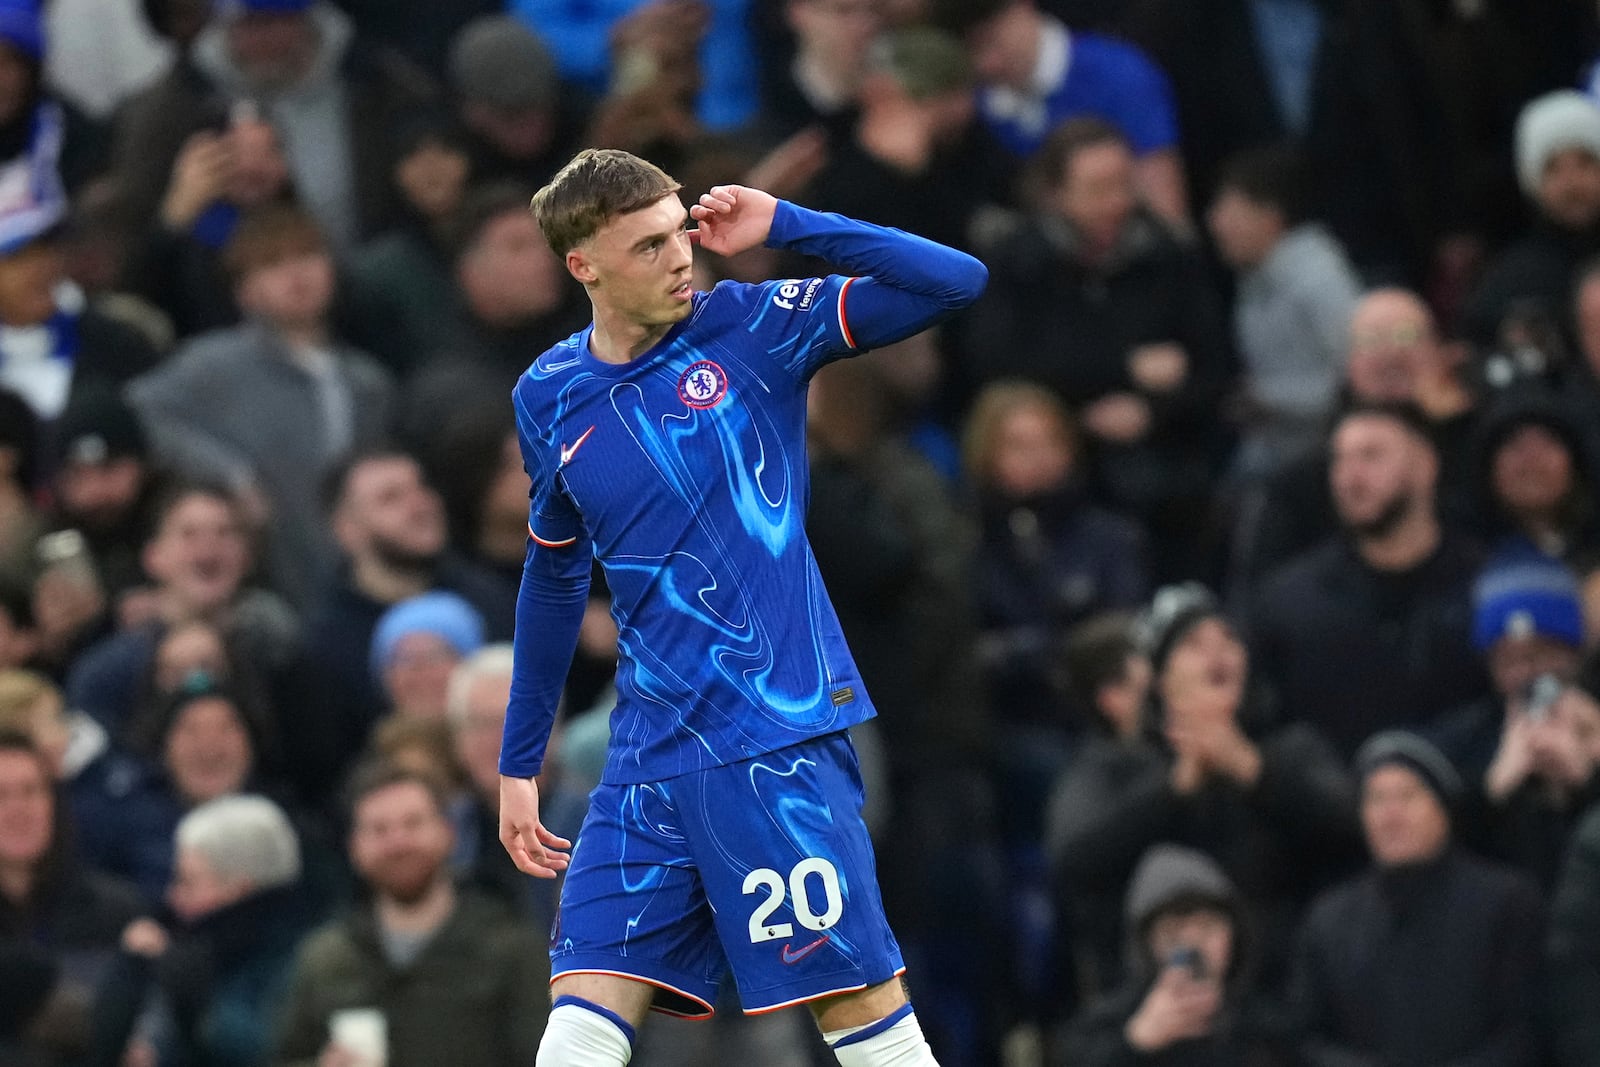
(684, 472)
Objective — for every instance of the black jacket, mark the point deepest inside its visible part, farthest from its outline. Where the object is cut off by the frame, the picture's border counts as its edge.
(1351, 650)
(1421, 966)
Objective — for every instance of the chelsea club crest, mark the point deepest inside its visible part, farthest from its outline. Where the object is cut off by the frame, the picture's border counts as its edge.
(703, 384)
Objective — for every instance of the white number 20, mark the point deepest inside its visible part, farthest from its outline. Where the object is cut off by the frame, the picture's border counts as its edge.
(770, 880)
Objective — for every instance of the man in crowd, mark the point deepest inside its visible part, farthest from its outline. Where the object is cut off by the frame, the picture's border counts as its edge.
(1372, 629)
(455, 978)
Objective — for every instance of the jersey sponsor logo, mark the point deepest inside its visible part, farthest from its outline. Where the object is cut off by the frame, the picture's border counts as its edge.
(790, 957)
(703, 384)
(792, 297)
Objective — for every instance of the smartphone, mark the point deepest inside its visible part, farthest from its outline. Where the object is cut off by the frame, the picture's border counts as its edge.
(67, 551)
(1541, 695)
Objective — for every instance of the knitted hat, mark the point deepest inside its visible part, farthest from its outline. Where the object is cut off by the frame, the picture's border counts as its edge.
(445, 615)
(1549, 124)
(1170, 875)
(97, 427)
(21, 27)
(497, 60)
(1406, 749)
(926, 62)
(1173, 612)
(1527, 595)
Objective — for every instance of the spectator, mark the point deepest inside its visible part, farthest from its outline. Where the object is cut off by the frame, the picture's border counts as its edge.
(219, 177)
(335, 101)
(42, 140)
(197, 557)
(507, 294)
(819, 84)
(270, 406)
(1037, 73)
(914, 158)
(1558, 167)
(585, 40)
(239, 908)
(522, 123)
(202, 744)
(456, 980)
(1095, 299)
(1396, 356)
(479, 690)
(397, 293)
(1573, 954)
(105, 486)
(1271, 804)
(1108, 675)
(1372, 629)
(1538, 479)
(1531, 748)
(54, 344)
(31, 707)
(47, 896)
(1295, 296)
(1048, 558)
(389, 524)
(1430, 956)
(20, 520)
(1190, 996)
(417, 644)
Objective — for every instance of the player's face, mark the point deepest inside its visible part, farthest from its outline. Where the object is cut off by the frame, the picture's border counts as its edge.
(638, 265)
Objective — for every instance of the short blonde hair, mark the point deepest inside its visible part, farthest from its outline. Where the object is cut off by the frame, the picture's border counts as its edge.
(997, 402)
(596, 186)
(20, 694)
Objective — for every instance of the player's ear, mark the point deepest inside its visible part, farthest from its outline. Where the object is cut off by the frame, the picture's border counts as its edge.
(579, 267)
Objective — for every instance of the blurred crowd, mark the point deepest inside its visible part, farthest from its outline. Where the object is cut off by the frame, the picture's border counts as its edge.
(1228, 577)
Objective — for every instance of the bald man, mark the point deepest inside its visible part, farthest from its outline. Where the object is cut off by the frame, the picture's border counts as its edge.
(1396, 356)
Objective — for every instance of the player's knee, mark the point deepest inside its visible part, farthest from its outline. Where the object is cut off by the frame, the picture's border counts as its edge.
(581, 1033)
(893, 1041)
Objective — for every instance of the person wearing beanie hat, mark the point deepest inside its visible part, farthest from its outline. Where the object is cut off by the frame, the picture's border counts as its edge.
(1425, 907)
(1270, 802)
(1537, 474)
(417, 644)
(1530, 750)
(1557, 147)
(1190, 996)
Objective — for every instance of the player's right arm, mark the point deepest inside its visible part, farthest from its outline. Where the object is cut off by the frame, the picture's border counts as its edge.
(550, 606)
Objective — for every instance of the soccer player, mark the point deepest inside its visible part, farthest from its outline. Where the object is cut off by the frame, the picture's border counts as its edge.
(667, 440)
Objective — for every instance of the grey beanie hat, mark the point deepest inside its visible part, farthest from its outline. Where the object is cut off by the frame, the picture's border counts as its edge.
(1549, 124)
(1416, 754)
(499, 61)
(1168, 874)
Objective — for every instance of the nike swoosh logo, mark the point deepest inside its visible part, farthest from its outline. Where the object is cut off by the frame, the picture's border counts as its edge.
(801, 953)
(567, 453)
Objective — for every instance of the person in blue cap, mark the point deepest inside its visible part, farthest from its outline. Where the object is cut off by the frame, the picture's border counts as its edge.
(1530, 749)
(416, 646)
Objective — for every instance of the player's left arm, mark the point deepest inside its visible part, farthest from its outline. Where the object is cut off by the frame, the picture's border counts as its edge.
(902, 283)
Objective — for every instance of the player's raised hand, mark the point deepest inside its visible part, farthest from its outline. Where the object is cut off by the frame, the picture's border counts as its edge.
(534, 849)
(733, 219)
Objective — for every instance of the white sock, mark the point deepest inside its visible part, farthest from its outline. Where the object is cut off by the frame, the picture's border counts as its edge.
(583, 1034)
(894, 1041)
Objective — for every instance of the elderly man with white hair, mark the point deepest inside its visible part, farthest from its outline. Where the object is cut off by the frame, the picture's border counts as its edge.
(213, 992)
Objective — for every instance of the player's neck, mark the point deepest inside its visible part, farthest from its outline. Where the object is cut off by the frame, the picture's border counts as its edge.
(615, 339)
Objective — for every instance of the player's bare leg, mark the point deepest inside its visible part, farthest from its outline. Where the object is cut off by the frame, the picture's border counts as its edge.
(874, 1028)
(593, 1021)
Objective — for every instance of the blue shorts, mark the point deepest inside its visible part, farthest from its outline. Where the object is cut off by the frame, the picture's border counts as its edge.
(764, 865)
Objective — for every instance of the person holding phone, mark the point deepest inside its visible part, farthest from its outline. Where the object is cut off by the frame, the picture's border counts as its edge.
(1188, 998)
